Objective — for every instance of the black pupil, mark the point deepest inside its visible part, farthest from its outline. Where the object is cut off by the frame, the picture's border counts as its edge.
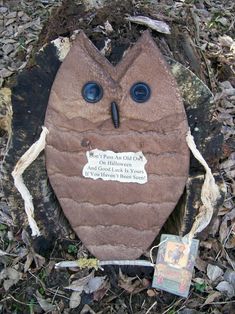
(92, 92)
(140, 92)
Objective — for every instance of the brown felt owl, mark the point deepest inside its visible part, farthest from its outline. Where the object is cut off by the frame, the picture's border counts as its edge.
(116, 153)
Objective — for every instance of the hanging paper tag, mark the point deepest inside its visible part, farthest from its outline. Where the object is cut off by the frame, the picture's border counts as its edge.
(122, 167)
(175, 263)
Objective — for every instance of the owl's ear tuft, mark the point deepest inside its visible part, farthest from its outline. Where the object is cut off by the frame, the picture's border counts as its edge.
(146, 39)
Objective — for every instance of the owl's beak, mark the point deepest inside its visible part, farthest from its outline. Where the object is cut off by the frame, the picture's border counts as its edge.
(115, 114)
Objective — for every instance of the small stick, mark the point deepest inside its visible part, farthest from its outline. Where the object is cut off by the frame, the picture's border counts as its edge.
(99, 264)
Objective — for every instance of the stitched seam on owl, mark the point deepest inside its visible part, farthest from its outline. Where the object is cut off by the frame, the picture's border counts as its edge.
(116, 204)
(94, 124)
(145, 153)
(117, 133)
(117, 245)
(107, 227)
(150, 175)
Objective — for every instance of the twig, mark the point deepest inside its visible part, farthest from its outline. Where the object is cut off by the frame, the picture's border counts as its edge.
(152, 306)
(38, 280)
(223, 302)
(18, 301)
(3, 253)
(57, 294)
(171, 306)
(130, 301)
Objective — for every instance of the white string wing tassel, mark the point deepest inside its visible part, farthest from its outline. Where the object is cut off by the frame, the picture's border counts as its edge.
(209, 194)
(23, 163)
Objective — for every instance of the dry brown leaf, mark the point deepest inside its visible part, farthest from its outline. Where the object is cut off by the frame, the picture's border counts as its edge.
(87, 310)
(156, 25)
(200, 264)
(226, 233)
(214, 272)
(152, 293)
(230, 277)
(132, 284)
(212, 297)
(10, 277)
(94, 284)
(75, 299)
(226, 41)
(28, 262)
(108, 27)
(78, 285)
(100, 293)
(45, 305)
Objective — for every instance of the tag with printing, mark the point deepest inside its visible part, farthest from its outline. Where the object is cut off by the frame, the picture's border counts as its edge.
(175, 263)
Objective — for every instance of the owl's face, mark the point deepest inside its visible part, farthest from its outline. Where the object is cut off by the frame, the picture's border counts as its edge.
(132, 107)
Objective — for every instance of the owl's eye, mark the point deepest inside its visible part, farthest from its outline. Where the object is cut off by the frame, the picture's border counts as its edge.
(92, 92)
(140, 92)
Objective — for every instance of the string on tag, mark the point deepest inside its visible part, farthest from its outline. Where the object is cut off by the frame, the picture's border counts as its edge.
(154, 247)
(23, 163)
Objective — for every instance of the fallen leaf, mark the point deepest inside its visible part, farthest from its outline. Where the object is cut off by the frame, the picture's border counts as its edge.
(230, 277)
(26, 238)
(156, 25)
(45, 305)
(226, 287)
(87, 310)
(151, 293)
(108, 27)
(226, 234)
(100, 293)
(211, 297)
(5, 73)
(38, 260)
(75, 299)
(10, 277)
(94, 284)
(214, 272)
(78, 285)
(28, 262)
(132, 284)
(200, 264)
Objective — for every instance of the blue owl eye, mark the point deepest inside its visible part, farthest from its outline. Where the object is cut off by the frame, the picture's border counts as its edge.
(140, 92)
(92, 92)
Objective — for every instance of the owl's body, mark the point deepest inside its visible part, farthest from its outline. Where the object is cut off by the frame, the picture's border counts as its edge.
(116, 220)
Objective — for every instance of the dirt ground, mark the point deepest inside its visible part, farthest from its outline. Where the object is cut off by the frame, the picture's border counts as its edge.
(202, 38)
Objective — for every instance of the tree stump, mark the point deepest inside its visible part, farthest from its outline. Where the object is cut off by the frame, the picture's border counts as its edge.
(31, 91)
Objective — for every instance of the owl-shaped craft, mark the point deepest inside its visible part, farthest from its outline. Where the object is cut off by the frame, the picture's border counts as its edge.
(116, 152)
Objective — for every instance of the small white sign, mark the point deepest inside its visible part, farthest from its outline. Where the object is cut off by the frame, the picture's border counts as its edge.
(110, 166)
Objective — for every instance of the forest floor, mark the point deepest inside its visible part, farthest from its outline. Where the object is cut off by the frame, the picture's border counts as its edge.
(29, 282)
